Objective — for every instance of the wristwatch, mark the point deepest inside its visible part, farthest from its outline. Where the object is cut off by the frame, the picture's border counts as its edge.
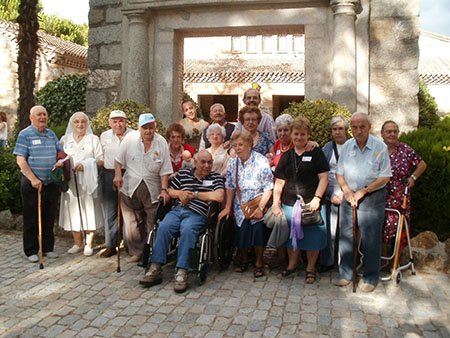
(196, 194)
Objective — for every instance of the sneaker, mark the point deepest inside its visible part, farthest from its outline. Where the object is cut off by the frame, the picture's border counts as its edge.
(367, 287)
(180, 281)
(88, 250)
(51, 254)
(75, 249)
(134, 259)
(33, 258)
(108, 252)
(342, 282)
(152, 277)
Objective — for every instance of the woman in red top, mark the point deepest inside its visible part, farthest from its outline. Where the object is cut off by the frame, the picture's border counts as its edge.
(175, 135)
(283, 142)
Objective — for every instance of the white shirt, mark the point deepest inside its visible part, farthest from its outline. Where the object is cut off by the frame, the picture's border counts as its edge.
(149, 166)
(110, 144)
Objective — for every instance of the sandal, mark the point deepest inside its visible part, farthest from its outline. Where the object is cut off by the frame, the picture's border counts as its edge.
(241, 267)
(258, 272)
(286, 272)
(310, 277)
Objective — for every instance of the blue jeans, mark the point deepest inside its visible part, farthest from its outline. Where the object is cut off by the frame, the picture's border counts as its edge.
(110, 207)
(180, 221)
(370, 215)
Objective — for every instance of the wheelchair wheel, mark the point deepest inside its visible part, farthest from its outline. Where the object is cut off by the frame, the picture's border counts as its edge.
(204, 258)
(223, 240)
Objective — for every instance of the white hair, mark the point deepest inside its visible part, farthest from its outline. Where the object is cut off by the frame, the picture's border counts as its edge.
(215, 126)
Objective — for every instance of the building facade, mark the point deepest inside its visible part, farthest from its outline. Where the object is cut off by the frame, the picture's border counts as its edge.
(360, 53)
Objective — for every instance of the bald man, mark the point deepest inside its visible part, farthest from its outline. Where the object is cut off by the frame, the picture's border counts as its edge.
(192, 189)
(363, 171)
(36, 154)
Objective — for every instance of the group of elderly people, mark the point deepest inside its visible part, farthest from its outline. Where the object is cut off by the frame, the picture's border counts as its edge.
(271, 162)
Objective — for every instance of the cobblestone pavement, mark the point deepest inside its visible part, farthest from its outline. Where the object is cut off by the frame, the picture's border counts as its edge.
(85, 297)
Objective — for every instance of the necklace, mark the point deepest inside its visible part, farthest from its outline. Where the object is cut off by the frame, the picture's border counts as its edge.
(282, 149)
(297, 165)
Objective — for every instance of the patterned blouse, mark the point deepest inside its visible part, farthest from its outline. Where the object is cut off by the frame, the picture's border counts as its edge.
(404, 160)
(254, 176)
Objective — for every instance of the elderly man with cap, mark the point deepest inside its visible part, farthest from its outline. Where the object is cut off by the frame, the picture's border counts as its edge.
(110, 141)
(144, 155)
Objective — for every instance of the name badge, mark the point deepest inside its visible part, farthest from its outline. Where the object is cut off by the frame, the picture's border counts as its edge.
(36, 142)
(207, 183)
(352, 153)
(306, 158)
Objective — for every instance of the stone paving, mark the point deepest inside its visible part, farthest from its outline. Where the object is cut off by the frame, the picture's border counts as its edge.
(77, 296)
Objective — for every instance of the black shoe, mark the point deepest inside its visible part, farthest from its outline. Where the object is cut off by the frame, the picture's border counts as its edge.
(325, 268)
(108, 252)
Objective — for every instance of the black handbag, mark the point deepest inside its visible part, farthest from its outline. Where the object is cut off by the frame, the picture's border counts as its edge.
(311, 217)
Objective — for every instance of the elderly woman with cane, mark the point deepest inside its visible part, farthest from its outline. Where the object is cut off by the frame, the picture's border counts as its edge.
(81, 210)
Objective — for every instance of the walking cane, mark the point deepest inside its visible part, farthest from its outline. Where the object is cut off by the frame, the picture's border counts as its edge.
(79, 207)
(399, 231)
(41, 254)
(355, 247)
(119, 229)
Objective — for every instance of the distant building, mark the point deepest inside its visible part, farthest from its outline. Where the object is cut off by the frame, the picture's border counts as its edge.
(56, 57)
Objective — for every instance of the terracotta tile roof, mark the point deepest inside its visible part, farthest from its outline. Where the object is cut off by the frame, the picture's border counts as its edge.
(60, 52)
(242, 70)
(434, 61)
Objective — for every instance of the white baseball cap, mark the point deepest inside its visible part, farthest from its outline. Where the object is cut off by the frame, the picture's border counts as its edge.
(117, 113)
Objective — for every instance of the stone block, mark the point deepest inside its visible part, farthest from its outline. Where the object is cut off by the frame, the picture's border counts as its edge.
(98, 3)
(95, 100)
(114, 14)
(105, 34)
(111, 54)
(6, 220)
(395, 8)
(103, 79)
(425, 240)
(96, 16)
(93, 57)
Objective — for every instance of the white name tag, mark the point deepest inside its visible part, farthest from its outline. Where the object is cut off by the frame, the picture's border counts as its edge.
(352, 153)
(36, 142)
(306, 158)
(207, 183)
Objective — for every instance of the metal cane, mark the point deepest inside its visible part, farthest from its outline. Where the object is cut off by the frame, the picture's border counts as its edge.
(119, 229)
(399, 236)
(355, 247)
(41, 254)
(79, 207)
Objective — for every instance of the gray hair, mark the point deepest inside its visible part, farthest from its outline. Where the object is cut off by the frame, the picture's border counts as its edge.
(217, 104)
(337, 119)
(283, 120)
(215, 126)
(363, 115)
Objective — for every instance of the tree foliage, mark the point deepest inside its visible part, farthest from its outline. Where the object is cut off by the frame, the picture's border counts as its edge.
(319, 113)
(50, 24)
(428, 108)
(63, 97)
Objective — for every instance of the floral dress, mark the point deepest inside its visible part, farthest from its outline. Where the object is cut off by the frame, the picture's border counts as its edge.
(403, 162)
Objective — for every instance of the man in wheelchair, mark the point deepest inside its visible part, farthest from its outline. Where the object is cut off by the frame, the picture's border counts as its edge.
(192, 190)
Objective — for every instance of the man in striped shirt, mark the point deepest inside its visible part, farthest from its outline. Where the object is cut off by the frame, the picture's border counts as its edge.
(192, 189)
(36, 149)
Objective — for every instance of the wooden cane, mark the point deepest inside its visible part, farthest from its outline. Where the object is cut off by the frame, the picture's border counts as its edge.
(399, 234)
(355, 247)
(119, 230)
(41, 254)
(79, 207)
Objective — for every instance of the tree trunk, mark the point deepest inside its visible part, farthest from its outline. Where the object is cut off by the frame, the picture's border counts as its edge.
(28, 45)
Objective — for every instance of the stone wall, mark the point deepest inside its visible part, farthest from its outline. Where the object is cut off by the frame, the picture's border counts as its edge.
(394, 56)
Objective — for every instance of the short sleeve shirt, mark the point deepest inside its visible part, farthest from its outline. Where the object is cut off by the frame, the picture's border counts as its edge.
(39, 149)
(110, 145)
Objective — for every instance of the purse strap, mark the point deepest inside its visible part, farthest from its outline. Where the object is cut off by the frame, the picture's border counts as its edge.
(336, 154)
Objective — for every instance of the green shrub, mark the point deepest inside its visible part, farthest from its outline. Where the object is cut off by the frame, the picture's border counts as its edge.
(63, 97)
(431, 195)
(319, 113)
(9, 182)
(428, 108)
(100, 122)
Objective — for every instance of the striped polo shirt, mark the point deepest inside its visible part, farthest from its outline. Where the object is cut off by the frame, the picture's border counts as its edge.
(39, 149)
(186, 180)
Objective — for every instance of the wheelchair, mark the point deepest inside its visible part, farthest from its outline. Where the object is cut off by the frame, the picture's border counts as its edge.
(214, 244)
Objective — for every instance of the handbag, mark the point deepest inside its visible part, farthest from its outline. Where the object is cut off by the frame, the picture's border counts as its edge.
(249, 207)
(310, 217)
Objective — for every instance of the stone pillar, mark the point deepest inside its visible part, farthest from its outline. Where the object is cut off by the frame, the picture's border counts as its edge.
(344, 60)
(138, 59)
